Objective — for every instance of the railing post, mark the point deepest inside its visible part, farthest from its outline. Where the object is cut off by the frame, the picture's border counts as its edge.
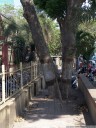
(38, 68)
(34, 69)
(21, 70)
(3, 83)
(31, 71)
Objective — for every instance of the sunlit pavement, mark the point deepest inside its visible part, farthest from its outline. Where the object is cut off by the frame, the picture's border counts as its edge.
(48, 113)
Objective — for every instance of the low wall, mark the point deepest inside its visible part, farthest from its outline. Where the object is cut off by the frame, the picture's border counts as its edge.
(89, 92)
(14, 106)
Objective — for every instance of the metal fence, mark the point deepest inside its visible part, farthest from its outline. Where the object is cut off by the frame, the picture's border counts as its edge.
(12, 82)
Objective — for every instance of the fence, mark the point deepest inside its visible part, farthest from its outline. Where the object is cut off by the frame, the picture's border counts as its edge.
(12, 82)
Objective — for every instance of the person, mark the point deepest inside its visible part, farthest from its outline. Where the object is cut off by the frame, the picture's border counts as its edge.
(80, 61)
(89, 67)
(84, 67)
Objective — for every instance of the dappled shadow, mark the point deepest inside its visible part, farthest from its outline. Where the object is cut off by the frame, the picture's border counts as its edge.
(41, 107)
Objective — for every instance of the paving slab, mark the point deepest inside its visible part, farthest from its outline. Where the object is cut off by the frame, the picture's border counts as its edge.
(44, 112)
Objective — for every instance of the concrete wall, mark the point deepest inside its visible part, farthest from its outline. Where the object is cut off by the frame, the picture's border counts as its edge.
(89, 92)
(14, 106)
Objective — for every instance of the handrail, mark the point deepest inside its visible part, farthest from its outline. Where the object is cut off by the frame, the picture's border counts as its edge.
(12, 82)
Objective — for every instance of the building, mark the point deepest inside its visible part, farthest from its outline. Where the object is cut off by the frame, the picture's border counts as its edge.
(6, 53)
(2, 2)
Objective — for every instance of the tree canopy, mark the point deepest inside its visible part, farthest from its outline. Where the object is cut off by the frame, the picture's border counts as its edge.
(67, 13)
(85, 44)
(52, 7)
(57, 8)
(51, 33)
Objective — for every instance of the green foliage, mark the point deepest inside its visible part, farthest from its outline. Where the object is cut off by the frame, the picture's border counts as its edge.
(58, 8)
(18, 41)
(54, 8)
(18, 26)
(14, 23)
(19, 47)
(46, 24)
(85, 44)
(10, 28)
(93, 7)
(55, 47)
(55, 43)
(16, 31)
(88, 13)
(7, 9)
(89, 27)
(51, 33)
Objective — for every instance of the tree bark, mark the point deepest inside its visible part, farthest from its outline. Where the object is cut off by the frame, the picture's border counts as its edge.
(68, 54)
(41, 46)
(68, 27)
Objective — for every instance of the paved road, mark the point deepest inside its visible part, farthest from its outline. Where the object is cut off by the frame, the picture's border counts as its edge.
(48, 113)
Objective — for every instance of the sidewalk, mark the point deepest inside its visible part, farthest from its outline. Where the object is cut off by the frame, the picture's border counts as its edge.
(48, 113)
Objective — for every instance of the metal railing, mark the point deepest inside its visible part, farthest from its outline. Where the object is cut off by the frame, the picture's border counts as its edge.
(12, 82)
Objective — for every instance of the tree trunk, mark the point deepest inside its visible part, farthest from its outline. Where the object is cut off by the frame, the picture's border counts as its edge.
(68, 27)
(41, 46)
(68, 54)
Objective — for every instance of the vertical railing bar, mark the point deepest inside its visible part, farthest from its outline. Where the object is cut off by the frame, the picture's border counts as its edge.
(6, 87)
(3, 83)
(34, 70)
(21, 69)
(31, 71)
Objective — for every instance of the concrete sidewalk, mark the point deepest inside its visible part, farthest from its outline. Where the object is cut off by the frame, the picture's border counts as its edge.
(48, 113)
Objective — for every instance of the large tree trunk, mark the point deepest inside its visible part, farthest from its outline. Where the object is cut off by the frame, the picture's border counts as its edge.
(41, 47)
(68, 54)
(68, 28)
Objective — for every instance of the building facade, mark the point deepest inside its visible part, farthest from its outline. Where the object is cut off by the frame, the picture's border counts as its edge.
(6, 52)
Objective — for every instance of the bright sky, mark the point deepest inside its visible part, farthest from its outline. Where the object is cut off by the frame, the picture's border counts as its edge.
(17, 3)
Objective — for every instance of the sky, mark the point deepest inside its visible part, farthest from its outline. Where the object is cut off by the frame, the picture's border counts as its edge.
(2, 2)
(17, 3)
